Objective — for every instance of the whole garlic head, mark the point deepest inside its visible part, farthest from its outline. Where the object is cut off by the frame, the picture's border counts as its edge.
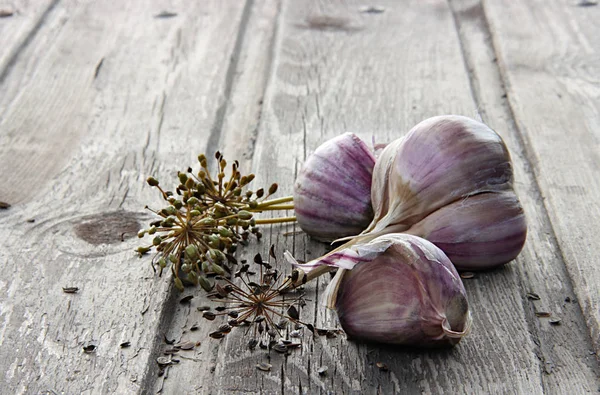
(332, 193)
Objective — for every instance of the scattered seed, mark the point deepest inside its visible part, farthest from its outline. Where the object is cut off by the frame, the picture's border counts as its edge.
(282, 324)
(163, 361)
(554, 321)
(125, 344)
(194, 327)
(203, 308)
(533, 296)
(293, 313)
(233, 322)
(568, 299)
(225, 328)
(233, 314)
(217, 335)
(543, 314)
(324, 331)
(382, 366)
(4, 205)
(165, 14)
(167, 341)
(322, 371)
(265, 367)
(374, 9)
(209, 315)
(296, 333)
(70, 290)
(31, 220)
(186, 299)
(467, 275)
(587, 3)
(89, 348)
(171, 351)
(280, 347)
(252, 344)
(185, 346)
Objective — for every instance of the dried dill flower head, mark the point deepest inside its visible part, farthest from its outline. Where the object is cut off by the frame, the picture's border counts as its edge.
(205, 220)
(264, 305)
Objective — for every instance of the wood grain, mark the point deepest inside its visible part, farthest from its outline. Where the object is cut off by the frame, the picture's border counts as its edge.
(19, 24)
(549, 59)
(101, 110)
(94, 97)
(564, 351)
(336, 69)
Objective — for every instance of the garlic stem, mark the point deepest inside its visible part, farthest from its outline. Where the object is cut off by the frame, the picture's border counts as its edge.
(275, 220)
(279, 207)
(271, 202)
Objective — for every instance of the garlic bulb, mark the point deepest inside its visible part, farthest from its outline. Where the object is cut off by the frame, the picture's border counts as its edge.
(441, 160)
(478, 232)
(398, 289)
(332, 194)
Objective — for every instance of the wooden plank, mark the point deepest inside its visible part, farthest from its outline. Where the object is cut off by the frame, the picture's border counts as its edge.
(236, 139)
(564, 350)
(336, 69)
(120, 94)
(549, 57)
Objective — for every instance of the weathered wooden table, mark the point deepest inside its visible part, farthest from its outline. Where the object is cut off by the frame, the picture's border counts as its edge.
(97, 95)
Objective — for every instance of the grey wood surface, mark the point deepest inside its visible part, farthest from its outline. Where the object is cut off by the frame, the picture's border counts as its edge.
(94, 97)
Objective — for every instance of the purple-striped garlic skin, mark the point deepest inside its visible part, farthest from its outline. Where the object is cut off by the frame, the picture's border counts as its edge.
(441, 160)
(332, 193)
(408, 293)
(479, 232)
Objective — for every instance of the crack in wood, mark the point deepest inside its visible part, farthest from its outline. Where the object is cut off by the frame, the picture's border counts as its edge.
(98, 67)
(12, 60)
(215, 131)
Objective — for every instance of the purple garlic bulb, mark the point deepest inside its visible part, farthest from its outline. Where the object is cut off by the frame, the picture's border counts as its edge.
(332, 194)
(441, 160)
(398, 289)
(478, 232)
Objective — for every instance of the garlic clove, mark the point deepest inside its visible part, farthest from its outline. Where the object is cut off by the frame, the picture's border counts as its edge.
(332, 193)
(441, 160)
(408, 294)
(396, 288)
(478, 232)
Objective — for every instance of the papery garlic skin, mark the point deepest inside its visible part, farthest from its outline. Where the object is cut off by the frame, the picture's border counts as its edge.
(479, 232)
(332, 193)
(441, 160)
(398, 289)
